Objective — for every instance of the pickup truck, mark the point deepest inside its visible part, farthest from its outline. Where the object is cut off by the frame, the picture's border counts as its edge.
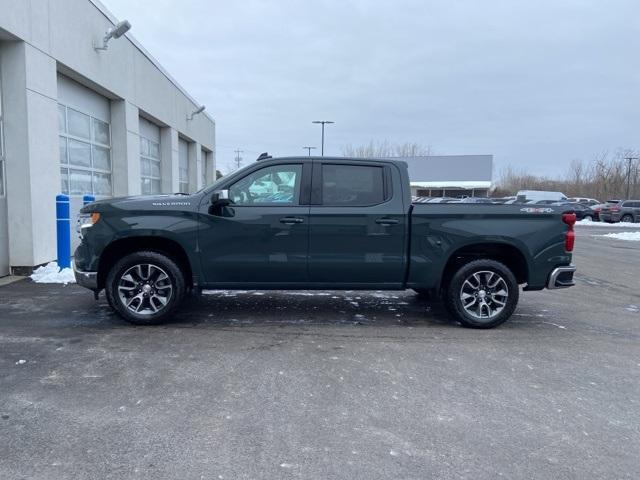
(320, 223)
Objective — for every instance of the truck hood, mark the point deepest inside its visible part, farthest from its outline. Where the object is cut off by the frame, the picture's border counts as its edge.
(143, 202)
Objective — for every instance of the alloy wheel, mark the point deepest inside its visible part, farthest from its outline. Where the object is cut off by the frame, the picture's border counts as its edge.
(145, 289)
(484, 294)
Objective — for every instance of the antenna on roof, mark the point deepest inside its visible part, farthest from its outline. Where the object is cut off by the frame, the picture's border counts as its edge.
(263, 156)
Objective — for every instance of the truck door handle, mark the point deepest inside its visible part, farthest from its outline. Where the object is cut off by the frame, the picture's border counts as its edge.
(387, 221)
(291, 220)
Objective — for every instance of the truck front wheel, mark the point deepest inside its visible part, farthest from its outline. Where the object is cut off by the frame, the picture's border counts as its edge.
(482, 294)
(145, 287)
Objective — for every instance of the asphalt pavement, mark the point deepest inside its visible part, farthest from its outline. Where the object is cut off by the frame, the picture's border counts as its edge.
(327, 385)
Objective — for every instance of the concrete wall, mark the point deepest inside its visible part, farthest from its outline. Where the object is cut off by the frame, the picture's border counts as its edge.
(41, 39)
(65, 31)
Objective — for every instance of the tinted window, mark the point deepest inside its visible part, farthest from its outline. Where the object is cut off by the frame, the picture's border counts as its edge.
(279, 185)
(352, 185)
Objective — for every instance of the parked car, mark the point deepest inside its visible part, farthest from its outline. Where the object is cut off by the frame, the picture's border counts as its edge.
(537, 195)
(476, 200)
(623, 211)
(502, 200)
(325, 223)
(590, 202)
(583, 212)
(597, 208)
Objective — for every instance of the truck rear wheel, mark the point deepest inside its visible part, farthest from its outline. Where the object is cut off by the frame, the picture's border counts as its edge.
(145, 287)
(482, 294)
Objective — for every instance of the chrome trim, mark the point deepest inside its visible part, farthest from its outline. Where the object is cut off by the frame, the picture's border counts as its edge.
(553, 277)
(86, 279)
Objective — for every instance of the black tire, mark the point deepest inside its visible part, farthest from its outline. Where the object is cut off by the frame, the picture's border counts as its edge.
(627, 218)
(454, 291)
(170, 282)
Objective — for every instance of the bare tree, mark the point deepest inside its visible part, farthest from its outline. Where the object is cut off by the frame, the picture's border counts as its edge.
(383, 148)
(604, 177)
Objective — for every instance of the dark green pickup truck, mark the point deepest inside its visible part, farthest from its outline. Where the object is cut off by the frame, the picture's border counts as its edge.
(320, 223)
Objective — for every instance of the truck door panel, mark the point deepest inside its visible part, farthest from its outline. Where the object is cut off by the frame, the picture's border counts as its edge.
(357, 225)
(262, 236)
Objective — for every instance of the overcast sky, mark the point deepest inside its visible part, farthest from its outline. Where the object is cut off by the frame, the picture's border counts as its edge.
(535, 83)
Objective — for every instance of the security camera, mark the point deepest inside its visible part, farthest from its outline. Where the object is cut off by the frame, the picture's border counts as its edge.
(114, 32)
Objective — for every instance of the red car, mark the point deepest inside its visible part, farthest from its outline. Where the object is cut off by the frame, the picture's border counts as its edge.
(598, 208)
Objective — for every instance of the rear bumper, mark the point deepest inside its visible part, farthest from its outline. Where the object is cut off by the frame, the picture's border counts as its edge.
(86, 279)
(561, 277)
(610, 217)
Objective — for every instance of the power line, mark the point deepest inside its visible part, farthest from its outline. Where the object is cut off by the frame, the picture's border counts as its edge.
(238, 158)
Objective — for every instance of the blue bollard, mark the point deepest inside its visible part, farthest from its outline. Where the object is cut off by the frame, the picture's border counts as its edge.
(88, 199)
(63, 227)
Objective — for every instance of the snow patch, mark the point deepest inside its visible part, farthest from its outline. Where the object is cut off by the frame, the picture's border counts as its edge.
(587, 223)
(52, 273)
(629, 236)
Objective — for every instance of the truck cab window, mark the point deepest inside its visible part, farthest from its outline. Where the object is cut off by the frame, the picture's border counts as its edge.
(276, 185)
(352, 185)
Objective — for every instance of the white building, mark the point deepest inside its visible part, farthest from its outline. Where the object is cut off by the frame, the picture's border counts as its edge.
(450, 175)
(78, 120)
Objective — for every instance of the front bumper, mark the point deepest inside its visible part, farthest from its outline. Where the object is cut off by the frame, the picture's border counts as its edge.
(561, 277)
(86, 279)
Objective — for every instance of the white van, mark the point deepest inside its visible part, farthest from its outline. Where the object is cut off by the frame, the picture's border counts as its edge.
(537, 195)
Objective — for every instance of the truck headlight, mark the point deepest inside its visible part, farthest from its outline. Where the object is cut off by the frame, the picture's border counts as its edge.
(86, 220)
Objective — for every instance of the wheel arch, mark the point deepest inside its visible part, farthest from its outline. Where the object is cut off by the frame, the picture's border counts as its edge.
(124, 246)
(510, 255)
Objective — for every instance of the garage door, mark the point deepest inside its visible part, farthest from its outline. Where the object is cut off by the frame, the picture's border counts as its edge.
(4, 234)
(183, 159)
(150, 168)
(85, 145)
(205, 168)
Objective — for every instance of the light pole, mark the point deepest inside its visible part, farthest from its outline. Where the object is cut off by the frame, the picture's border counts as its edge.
(629, 159)
(309, 149)
(323, 123)
(238, 158)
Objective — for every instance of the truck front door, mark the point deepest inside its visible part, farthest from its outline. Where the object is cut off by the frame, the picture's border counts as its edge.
(261, 238)
(357, 232)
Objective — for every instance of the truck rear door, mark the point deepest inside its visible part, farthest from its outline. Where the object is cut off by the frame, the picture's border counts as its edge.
(357, 225)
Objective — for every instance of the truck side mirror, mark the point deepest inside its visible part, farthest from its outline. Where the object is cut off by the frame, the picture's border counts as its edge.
(220, 195)
(219, 200)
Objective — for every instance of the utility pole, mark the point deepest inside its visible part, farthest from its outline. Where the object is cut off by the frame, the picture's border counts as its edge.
(309, 149)
(323, 122)
(238, 158)
(629, 160)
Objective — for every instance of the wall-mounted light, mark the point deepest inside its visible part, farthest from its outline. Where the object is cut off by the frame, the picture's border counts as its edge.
(196, 112)
(114, 32)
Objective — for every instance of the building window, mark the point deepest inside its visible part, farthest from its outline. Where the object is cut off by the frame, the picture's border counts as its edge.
(149, 166)
(85, 153)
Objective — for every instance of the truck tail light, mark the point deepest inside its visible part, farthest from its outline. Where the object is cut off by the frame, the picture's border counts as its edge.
(614, 209)
(570, 236)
